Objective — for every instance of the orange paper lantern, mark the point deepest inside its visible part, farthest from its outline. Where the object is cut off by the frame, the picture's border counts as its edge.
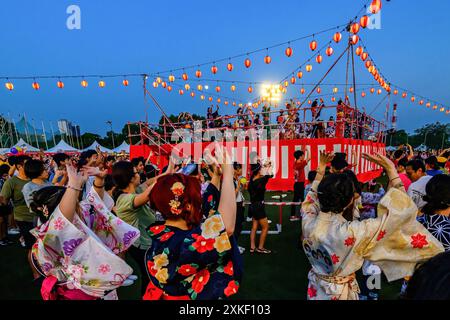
(247, 63)
(84, 83)
(329, 51)
(198, 73)
(125, 82)
(313, 45)
(230, 66)
(337, 37)
(375, 6)
(60, 84)
(214, 69)
(364, 21)
(267, 59)
(101, 84)
(184, 76)
(354, 28)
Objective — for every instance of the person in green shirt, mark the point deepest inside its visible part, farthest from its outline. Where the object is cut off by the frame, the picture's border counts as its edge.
(12, 190)
(131, 199)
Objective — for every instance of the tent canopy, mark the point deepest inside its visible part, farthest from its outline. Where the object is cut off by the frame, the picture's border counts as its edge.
(124, 147)
(422, 147)
(22, 144)
(94, 146)
(62, 146)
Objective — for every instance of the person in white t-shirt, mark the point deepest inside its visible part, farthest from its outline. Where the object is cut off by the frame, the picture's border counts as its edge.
(415, 169)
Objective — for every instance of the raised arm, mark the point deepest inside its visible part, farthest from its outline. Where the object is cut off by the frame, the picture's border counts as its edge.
(227, 204)
(324, 158)
(69, 201)
(389, 167)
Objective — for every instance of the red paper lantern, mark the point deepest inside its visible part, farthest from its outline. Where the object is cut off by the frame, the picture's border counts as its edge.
(302, 90)
(60, 84)
(413, 99)
(288, 51)
(35, 85)
(313, 45)
(372, 90)
(395, 91)
(164, 84)
(169, 88)
(368, 64)
(210, 98)
(230, 66)
(250, 89)
(329, 51)
(333, 99)
(354, 28)
(247, 63)
(192, 94)
(319, 59)
(125, 82)
(217, 89)
(421, 102)
(318, 90)
(364, 21)
(337, 37)
(351, 89)
(214, 69)
(218, 100)
(198, 73)
(404, 95)
(181, 92)
(84, 83)
(364, 56)
(293, 80)
(428, 104)
(309, 101)
(379, 91)
(363, 94)
(355, 39)
(267, 59)
(184, 76)
(299, 74)
(375, 6)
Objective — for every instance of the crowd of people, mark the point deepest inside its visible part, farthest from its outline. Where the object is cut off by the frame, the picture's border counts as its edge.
(345, 123)
(81, 217)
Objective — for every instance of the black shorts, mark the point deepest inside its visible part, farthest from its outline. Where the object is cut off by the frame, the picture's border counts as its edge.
(25, 228)
(257, 210)
(5, 210)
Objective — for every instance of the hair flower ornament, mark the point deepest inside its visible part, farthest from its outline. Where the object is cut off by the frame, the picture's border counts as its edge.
(178, 190)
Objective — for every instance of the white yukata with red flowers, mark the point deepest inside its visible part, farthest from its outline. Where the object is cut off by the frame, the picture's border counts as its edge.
(337, 248)
(82, 254)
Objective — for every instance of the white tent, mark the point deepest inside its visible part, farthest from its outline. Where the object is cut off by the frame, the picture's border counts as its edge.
(422, 147)
(124, 147)
(4, 150)
(28, 147)
(95, 144)
(62, 146)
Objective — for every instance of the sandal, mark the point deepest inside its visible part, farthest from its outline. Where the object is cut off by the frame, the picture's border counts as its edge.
(263, 250)
(252, 250)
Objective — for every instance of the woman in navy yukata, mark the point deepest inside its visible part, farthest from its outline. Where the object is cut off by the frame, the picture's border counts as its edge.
(190, 259)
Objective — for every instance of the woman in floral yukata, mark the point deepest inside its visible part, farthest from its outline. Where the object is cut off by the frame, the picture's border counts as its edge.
(77, 246)
(190, 259)
(337, 246)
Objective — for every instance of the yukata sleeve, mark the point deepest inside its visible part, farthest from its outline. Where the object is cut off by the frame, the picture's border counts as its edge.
(395, 241)
(56, 241)
(311, 204)
(116, 234)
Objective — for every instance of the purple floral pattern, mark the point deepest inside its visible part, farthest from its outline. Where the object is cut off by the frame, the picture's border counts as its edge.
(70, 246)
(128, 237)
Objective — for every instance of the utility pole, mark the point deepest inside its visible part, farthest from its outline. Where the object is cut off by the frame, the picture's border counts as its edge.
(112, 133)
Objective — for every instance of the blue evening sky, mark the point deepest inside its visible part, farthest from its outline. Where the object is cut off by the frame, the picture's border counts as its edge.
(141, 36)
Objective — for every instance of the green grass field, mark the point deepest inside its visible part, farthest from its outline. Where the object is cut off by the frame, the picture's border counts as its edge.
(280, 275)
